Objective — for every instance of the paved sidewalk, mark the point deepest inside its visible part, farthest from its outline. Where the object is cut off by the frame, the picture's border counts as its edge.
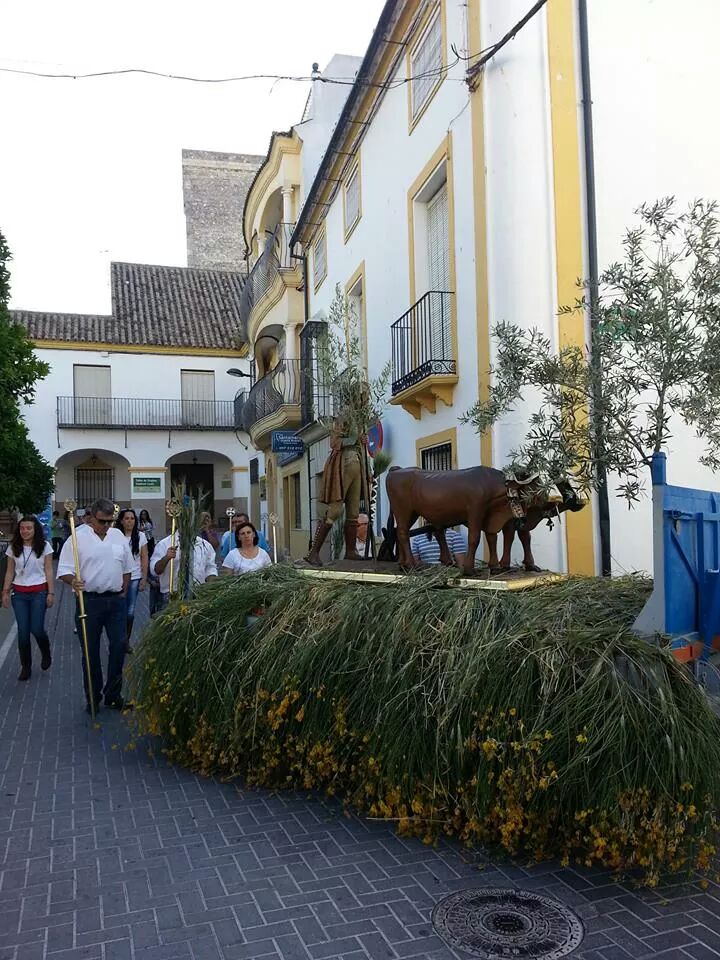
(110, 854)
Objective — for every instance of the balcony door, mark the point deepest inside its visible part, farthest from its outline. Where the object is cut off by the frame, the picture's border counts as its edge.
(438, 273)
(92, 394)
(197, 392)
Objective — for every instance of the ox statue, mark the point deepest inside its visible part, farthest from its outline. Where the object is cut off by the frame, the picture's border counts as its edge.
(484, 499)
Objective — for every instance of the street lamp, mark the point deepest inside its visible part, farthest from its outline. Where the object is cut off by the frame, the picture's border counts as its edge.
(236, 372)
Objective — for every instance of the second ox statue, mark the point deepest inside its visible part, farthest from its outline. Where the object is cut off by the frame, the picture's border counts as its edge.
(484, 499)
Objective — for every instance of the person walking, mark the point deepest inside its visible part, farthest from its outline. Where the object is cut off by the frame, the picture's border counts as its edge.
(229, 538)
(248, 555)
(106, 565)
(206, 530)
(203, 567)
(29, 587)
(126, 527)
(147, 527)
(57, 533)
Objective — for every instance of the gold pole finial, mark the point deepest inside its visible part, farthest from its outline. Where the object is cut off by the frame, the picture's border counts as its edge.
(172, 509)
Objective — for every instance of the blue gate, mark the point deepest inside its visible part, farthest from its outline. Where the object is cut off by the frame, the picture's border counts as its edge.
(684, 607)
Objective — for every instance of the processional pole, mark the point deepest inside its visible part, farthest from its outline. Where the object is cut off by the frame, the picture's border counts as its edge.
(71, 507)
(172, 509)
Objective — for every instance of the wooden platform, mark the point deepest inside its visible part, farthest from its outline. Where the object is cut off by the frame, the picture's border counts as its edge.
(367, 571)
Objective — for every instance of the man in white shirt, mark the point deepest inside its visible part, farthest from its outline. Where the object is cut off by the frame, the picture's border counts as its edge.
(105, 568)
(204, 565)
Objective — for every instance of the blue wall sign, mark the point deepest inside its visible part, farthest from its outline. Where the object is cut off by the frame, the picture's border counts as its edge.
(288, 445)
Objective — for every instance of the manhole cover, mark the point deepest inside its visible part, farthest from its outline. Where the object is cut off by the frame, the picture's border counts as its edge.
(494, 923)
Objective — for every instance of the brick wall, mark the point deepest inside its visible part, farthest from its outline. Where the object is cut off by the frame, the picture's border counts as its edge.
(214, 189)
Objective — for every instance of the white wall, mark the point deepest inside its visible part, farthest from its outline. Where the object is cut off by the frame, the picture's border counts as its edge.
(141, 376)
(654, 70)
(520, 217)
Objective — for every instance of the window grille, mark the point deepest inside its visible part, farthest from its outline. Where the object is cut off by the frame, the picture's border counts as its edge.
(425, 65)
(92, 485)
(437, 458)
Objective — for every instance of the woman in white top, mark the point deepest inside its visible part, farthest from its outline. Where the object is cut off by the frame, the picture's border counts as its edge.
(30, 574)
(247, 555)
(127, 524)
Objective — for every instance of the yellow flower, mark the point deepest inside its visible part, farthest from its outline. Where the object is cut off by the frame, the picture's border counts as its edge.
(513, 711)
(581, 738)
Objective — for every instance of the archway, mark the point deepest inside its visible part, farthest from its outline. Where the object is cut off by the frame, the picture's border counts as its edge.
(88, 474)
(207, 470)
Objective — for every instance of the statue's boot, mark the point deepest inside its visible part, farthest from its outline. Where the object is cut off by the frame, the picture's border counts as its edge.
(351, 553)
(323, 529)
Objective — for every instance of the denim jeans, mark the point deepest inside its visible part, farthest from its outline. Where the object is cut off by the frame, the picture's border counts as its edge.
(30, 611)
(131, 598)
(104, 610)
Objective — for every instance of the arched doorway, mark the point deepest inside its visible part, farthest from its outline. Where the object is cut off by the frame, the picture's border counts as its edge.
(206, 471)
(89, 474)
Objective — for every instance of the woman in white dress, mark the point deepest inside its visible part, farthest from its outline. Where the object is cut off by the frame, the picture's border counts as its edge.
(127, 524)
(29, 586)
(247, 555)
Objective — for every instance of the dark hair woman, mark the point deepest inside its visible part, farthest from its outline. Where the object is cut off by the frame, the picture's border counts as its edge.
(127, 524)
(247, 555)
(29, 586)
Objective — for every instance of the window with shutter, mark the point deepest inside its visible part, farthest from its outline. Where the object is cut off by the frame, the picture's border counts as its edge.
(438, 267)
(426, 65)
(319, 259)
(93, 392)
(352, 200)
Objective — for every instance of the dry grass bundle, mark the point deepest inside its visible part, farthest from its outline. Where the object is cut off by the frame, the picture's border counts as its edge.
(535, 720)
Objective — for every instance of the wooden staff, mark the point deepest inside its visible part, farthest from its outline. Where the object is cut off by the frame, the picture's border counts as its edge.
(71, 507)
(172, 508)
(366, 490)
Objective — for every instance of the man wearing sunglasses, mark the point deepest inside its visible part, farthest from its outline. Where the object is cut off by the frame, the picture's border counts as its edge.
(105, 568)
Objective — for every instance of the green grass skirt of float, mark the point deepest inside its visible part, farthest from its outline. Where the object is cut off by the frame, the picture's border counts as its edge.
(533, 720)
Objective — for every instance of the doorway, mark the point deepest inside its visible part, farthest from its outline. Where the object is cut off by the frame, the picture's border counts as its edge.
(196, 478)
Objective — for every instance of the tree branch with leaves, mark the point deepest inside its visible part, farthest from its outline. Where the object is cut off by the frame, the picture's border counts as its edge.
(652, 358)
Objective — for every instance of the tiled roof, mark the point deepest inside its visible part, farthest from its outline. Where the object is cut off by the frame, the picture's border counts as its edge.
(77, 327)
(154, 306)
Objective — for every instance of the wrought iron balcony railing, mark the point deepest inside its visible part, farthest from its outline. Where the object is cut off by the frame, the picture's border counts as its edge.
(317, 397)
(422, 341)
(130, 413)
(280, 387)
(274, 258)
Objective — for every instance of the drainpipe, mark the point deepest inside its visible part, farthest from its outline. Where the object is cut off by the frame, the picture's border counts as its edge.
(306, 302)
(591, 213)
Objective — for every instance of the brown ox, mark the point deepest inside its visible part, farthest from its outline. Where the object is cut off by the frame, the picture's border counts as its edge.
(476, 497)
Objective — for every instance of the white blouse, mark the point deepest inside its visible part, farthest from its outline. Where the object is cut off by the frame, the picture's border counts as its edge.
(29, 567)
(236, 562)
(120, 536)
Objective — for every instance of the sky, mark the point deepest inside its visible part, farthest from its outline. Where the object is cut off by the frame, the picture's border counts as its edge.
(90, 170)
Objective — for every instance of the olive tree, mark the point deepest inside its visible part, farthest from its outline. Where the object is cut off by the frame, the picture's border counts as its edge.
(652, 358)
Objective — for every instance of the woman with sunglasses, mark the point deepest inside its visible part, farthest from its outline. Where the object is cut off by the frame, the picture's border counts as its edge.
(29, 577)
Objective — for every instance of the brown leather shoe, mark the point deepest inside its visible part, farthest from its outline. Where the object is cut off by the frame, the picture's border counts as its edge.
(323, 529)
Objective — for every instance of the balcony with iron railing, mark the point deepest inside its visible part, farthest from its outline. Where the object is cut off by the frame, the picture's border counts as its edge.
(274, 275)
(273, 403)
(131, 413)
(424, 369)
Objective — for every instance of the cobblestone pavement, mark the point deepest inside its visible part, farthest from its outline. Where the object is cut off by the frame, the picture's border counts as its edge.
(110, 854)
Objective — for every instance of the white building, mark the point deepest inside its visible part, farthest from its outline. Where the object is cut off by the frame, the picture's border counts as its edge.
(141, 399)
(451, 196)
